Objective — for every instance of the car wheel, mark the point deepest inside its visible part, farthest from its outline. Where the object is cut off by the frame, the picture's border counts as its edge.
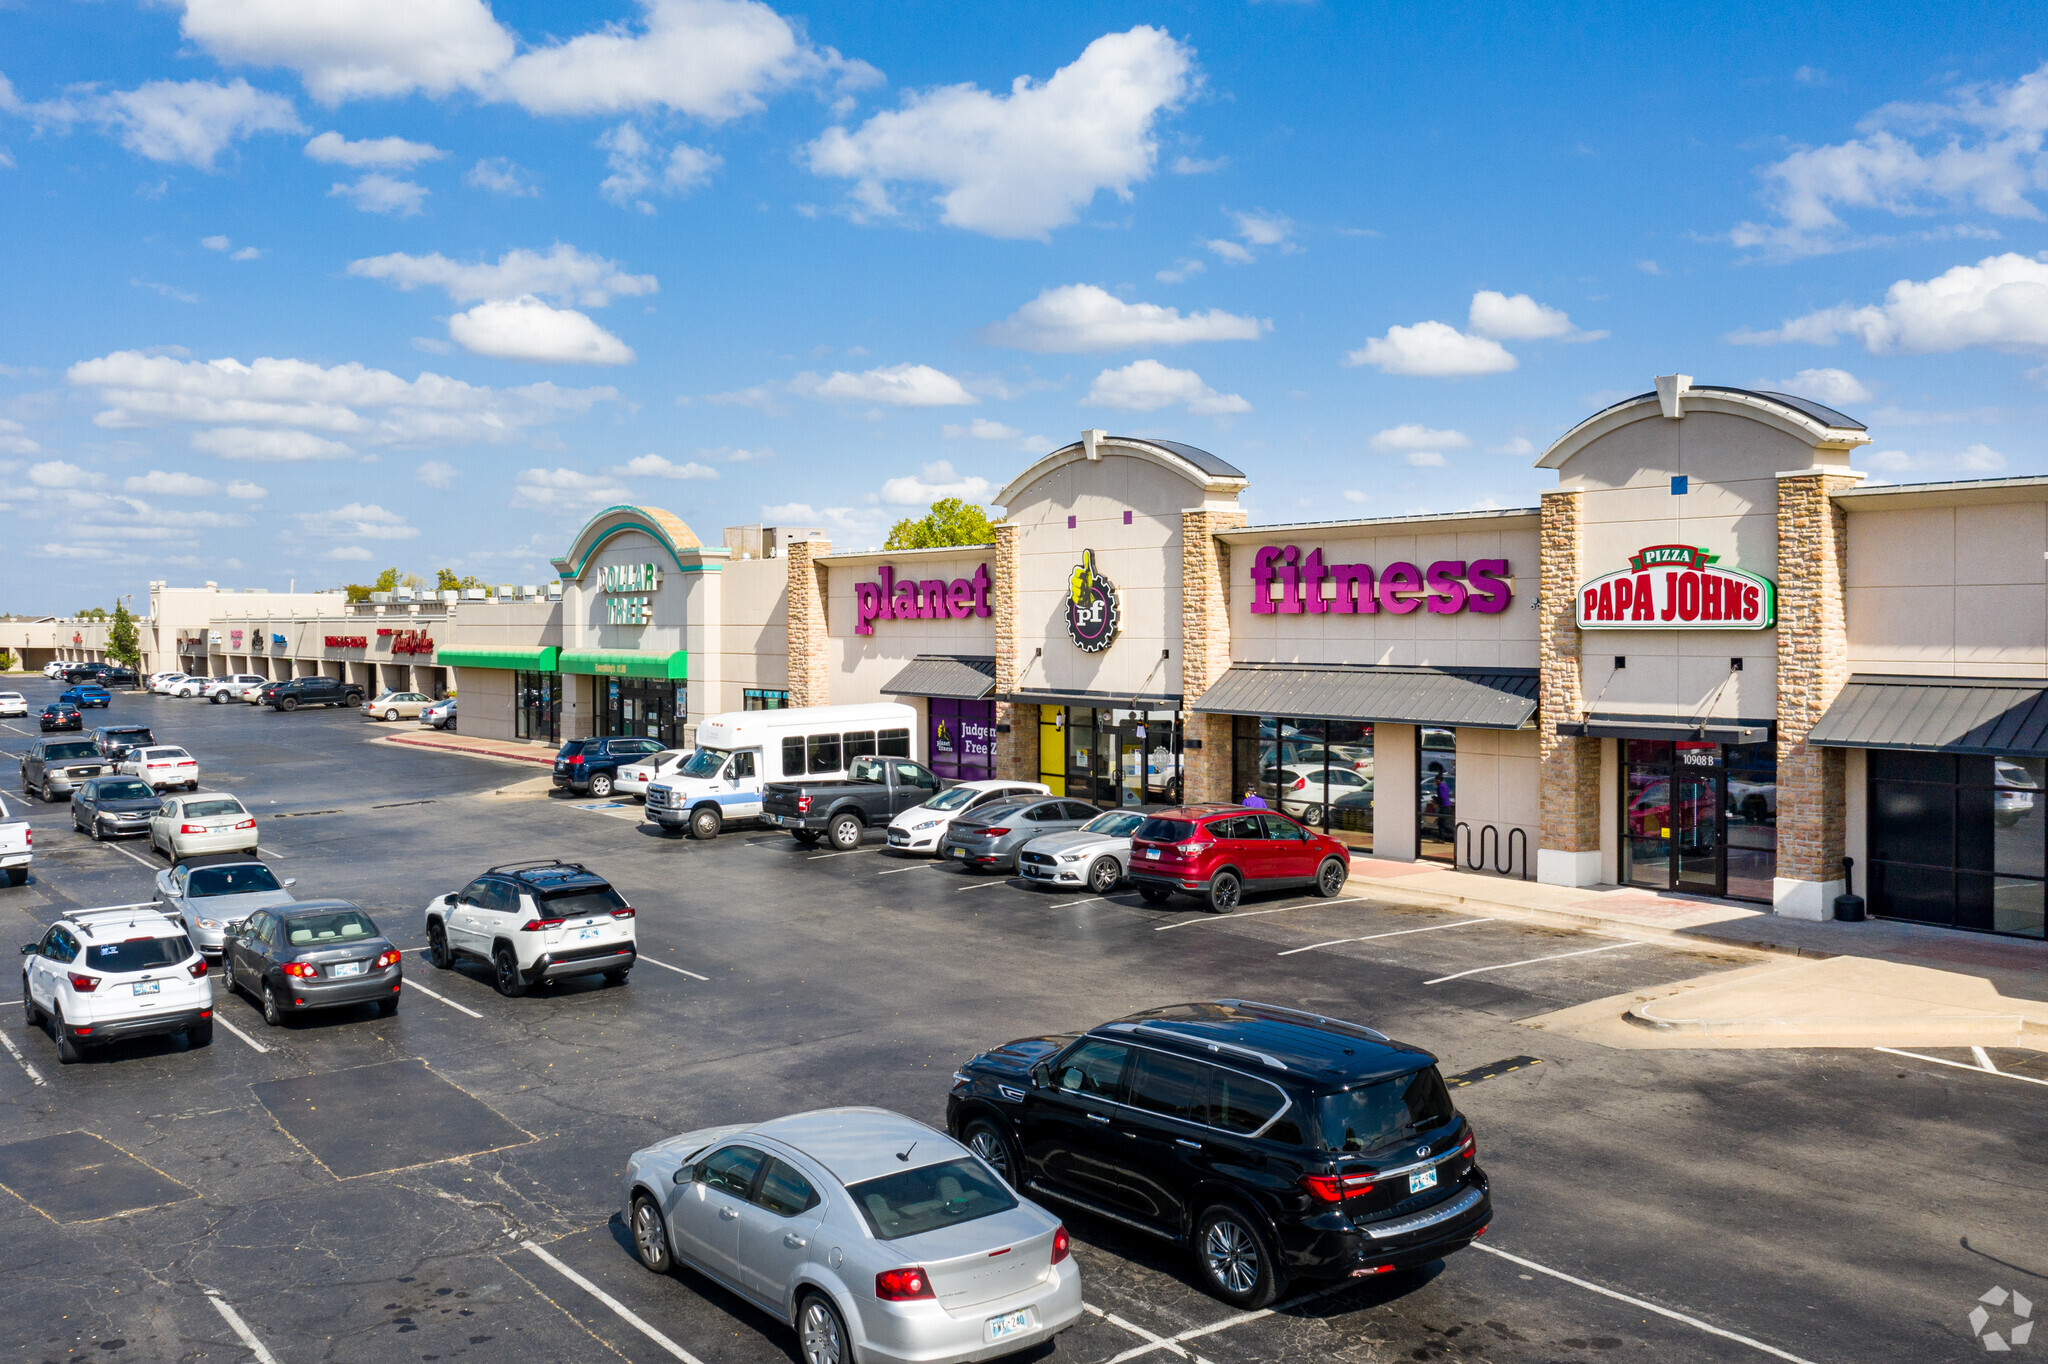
(804, 837)
(1225, 890)
(49, 796)
(1155, 895)
(845, 833)
(705, 822)
(1103, 876)
(99, 831)
(200, 1034)
(650, 1235)
(601, 784)
(289, 703)
(68, 1052)
(437, 946)
(218, 698)
(387, 1007)
(508, 980)
(989, 1142)
(29, 1017)
(820, 1334)
(1312, 815)
(1234, 1262)
(228, 982)
(616, 977)
(272, 1015)
(391, 715)
(1330, 878)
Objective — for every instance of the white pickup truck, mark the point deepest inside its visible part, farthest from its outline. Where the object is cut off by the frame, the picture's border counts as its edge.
(17, 846)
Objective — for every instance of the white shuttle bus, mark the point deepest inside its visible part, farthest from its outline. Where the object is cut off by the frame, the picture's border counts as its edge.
(741, 750)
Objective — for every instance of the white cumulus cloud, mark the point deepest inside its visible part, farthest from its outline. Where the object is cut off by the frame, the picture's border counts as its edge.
(1147, 386)
(393, 152)
(903, 385)
(1432, 350)
(2000, 302)
(1021, 164)
(348, 554)
(356, 521)
(1426, 459)
(161, 483)
(268, 447)
(1076, 318)
(564, 274)
(932, 482)
(57, 473)
(1415, 436)
(655, 466)
(176, 122)
(1826, 385)
(639, 168)
(502, 175)
(1521, 318)
(243, 490)
(381, 193)
(1972, 459)
(353, 49)
(525, 328)
(436, 473)
(565, 490)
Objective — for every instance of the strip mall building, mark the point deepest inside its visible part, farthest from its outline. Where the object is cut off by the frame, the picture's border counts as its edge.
(1710, 661)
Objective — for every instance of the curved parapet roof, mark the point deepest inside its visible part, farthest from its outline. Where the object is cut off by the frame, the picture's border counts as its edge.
(1196, 465)
(1818, 425)
(665, 527)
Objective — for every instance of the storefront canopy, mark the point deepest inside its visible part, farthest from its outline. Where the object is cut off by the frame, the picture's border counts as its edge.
(1100, 700)
(512, 660)
(963, 677)
(1669, 728)
(625, 663)
(1475, 698)
(1995, 715)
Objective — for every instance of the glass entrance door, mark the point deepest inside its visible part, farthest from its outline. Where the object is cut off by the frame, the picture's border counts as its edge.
(1673, 836)
(1696, 832)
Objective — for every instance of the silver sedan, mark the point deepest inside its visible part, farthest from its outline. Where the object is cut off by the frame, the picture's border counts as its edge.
(875, 1237)
(214, 894)
(1096, 855)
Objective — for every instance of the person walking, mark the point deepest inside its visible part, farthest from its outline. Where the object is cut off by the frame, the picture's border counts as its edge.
(1252, 800)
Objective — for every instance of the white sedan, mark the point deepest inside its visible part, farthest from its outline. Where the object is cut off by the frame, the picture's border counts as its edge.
(393, 704)
(250, 690)
(202, 824)
(163, 767)
(920, 828)
(13, 703)
(634, 778)
(189, 686)
(164, 683)
(1304, 791)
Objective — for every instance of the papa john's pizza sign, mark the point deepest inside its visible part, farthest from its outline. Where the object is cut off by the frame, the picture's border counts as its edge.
(1677, 587)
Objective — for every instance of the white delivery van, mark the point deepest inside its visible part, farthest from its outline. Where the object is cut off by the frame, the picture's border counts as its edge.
(740, 751)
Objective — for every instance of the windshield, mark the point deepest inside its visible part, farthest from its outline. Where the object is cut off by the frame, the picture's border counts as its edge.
(165, 754)
(138, 954)
(331, 929)
(123, 790)
(243, 880)
(70, 750)
(1116, 823)
(705, 762)
(1165, 830)
(200, 809)
(924, 1200)
(1372, 1115)
(953, 798)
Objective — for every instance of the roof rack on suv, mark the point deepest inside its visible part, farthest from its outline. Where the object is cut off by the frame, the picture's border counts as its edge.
(1162, 1025)
(85, 918)
(1323, 1019)
(514, 868)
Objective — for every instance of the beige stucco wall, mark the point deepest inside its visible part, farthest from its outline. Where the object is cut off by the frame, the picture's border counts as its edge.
(1497, 785)
(1950, 590)
(862, 664)
(487, 702)
(750, 644)
(583, 603)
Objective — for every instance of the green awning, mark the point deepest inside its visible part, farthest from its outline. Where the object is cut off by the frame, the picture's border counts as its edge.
(512, 660)
(625, 663)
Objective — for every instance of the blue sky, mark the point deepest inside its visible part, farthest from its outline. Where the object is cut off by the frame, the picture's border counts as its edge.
(295, 291)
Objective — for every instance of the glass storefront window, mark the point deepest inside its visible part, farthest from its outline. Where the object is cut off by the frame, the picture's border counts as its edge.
(758, 698)
(1958, 840)
(960, 737)
(537, 706)
(1700, 817)
(643, 707)
(1436, 767)
(1319, 771)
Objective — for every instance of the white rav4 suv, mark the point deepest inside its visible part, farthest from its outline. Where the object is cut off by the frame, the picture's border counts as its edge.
(101, 975)
(534, 922)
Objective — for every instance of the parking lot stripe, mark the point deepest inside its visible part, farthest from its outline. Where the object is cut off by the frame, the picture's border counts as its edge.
(270, 852)
(1255, 913)
(1693, 1322)
(240, 1328)
(125, 853)
(677, 969)
(415, 985)
(626, 1314)
(815, 857)
(1531, 961)
(985, 885)
(1157, 1342)
(238, 1032)
(1375, 937)
(1982, 1070)
(15, 1052)
(1242, 1318)
(894, 870)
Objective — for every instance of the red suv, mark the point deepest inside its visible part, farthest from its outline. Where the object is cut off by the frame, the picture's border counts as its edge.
(1220, 854)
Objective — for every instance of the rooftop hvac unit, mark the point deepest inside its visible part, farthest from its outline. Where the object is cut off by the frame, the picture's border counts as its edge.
(474, 594)
(380, 598)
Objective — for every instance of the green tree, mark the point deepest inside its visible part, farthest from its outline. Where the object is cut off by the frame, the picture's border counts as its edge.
(450, 583)
(6, 661)
(949, 522)
(90, 613)
(122, 645)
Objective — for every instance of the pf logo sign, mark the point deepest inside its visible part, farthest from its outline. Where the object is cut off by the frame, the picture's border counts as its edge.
(1092, 617)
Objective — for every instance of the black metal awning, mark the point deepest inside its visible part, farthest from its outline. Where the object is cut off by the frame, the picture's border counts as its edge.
(1997, 715)
(1670, 728)
(963, 677)
(1472, 698)
(1100, 700)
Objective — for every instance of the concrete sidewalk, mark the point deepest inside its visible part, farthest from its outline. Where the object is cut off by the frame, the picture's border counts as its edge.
(497, 750)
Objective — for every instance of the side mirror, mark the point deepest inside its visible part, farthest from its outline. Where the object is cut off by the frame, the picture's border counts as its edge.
(290, 881)
(685, 1173)
(29, 949)
(1041, 1075)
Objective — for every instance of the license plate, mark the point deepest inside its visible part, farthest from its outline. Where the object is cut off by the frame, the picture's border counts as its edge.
(1151, 854)
(1424, 1179)
(1008, 1324)
(775, 819)
(149, 987)
(588, 934)
(345, 968)
(960, 853)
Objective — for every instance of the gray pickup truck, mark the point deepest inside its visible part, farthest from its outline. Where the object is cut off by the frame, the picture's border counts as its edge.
(873, 792)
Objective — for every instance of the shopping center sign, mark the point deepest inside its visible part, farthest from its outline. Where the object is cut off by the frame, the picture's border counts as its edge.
(1093, 608)
(1446, 587)
(615, 580)
(912, 598)
(1677, 587)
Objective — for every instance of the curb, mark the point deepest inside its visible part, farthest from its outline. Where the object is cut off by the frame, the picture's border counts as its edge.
(406, 741)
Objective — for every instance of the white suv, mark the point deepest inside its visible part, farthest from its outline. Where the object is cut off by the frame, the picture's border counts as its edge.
(101, 975)
(222, 690)
(534, 922)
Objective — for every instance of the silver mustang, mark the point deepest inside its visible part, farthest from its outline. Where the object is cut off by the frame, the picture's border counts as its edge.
(213, 893)
(1096, 855)
(874, 1236)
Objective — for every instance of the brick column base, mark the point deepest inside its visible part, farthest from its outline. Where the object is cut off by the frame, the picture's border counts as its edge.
(1568, 823)
(1813, 666)
(1206, 772)
(1017, 751)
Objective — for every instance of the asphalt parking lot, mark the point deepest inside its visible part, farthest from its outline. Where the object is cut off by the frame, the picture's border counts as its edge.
(442, 1184)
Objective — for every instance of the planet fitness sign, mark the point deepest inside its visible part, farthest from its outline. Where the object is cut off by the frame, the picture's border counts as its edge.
(1094, 611)
(1677, 587)
(911, 599)
(1446, 587)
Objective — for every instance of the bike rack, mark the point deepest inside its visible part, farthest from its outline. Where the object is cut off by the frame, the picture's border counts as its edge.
(1492, 861)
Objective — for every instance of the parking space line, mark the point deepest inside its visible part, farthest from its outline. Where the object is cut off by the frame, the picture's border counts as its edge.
(677, 969)
(894, 870)
(272, 852)
(819, 857)
(21, 1060)
(1157, 1342)
(136, 857)
(1255, 913)
(1241, 1319)
(1986, 1069)
(1375, 937)
(1693, 1322)
(240, 1328)
(237, 1031)
(1531, 961)
(626, 1314)
(985, 885)
(1069, 904)
(415, 985)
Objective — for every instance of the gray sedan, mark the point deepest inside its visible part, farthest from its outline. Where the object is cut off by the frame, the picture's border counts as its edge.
(107, 806)
(1096, 855)
(990, 838)
(875, 1237)
(214, 894)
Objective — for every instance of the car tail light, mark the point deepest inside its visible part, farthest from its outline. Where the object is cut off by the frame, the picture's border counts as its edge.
(536, 925)
(1337, 1188)
(303, 970)
(1300, 784)
(576, 761)
(624, 913)
(85, 985)
(191, 828)
(903, 1285)
(994, 833)
(1061, 1248)
(388, 959)
(803, 805)
(1469, 1148)
(197, 968)
(246, 824)
(1191, 849)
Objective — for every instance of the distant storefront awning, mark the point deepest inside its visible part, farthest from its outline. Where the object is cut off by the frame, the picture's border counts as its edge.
(963, 677)
(1995, 715)
(1100, 700)
(1669, 728)
(511, 660)
(1472, 698)
(626, 663)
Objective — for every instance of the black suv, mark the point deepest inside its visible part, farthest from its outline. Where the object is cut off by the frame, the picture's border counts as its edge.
(1274, 1144)
(312, 691)
(593, 764)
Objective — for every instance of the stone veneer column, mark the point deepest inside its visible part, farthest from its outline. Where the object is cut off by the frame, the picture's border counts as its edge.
(1568, 826)
(810, 658)
(1016, 725)
(1205, 649)
(1813, 665)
